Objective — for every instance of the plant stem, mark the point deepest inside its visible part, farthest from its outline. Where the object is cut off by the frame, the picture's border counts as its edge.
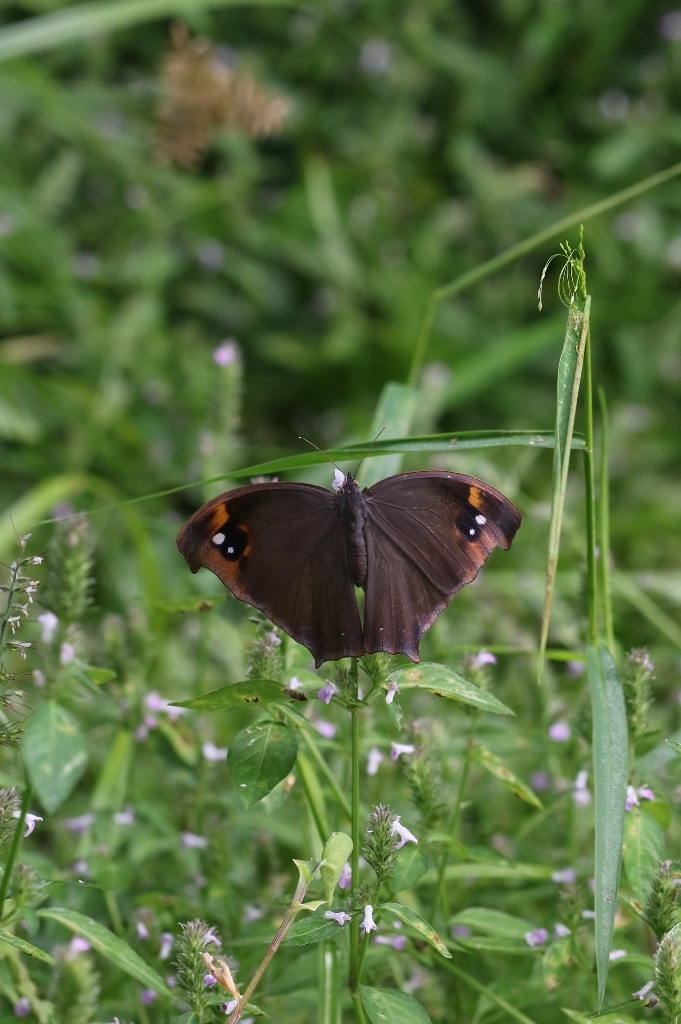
(440, 888)
(590, 502)
(14, 849)
(359, 1009)
(354, 861)
(515, 252)
(318, 759)
(604, 524)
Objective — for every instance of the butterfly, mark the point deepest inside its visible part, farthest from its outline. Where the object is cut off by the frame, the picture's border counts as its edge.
(297, 551)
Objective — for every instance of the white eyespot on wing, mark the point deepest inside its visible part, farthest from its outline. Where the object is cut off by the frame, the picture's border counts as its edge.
(230, 551)
(472, 533)
(219, 539)
(481, 520)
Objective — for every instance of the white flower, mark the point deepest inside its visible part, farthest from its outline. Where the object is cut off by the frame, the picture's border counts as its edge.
(142, 931)
(67, 653)
(404, 834)
(617, 954)
(393, 688)
(294, 683)
(632, 798)
(226, 353)
(38, 677)
(48, 622)
(340, 918)
(368, 924)
(374, 758)
(126, 817)
(561, 931)
(213, 753)
(167, 942)
(643, 992)
(565, 876)
(483, 658)
(338, 481)
(580, 792)
(190, 841)
(400, 748)
(29, 821)
(81, 824)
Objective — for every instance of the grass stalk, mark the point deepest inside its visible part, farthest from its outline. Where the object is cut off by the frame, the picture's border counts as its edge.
(604, 525)
(590, 498)
(354, 857)
(14, 848)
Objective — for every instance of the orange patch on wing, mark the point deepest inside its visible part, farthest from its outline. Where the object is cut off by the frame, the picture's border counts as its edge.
(476, 498)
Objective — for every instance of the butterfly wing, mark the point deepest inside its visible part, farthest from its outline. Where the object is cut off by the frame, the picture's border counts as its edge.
(281, 548)
(427, 535)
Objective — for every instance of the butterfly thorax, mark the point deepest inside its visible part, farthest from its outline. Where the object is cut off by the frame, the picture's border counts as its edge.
(352, 513)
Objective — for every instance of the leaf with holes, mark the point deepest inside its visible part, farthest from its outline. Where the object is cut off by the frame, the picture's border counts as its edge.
(260, 757)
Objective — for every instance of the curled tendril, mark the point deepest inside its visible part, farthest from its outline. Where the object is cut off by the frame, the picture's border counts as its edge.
(572, 277)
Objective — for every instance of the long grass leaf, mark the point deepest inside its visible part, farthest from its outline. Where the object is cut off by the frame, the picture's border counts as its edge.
(35, 504)
(569, 379)
(34, 35)
(625, 587)
(604, 525)
(394, 415)
(610, 787)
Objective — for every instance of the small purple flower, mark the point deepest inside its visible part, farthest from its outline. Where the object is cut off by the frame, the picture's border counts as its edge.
(345, 880)
(374, 759)
(398, 942)
(190, 841)
(148, 995)
(645, 793)
(157, 704)
(251, 914)
(22, 1007)
(561, 931)
(460, 931)
(209, 981)
(142, 931)
(81, 867)
(537, 937)
(632, 799)
(670, 26)
(404, 834)
(229, 1007)
(167, 943)
(294, 683)
(393, 688)
(580, 792)
(126, 817)
(81, 824)
(643, 992)
(211, 939)
(77, 946)
(574, 669)
(616, 954)
(213, 753)
(327, 691)
(48, 623)
(368, 924)
(340, 918)
(67, 653)
(483, 658)
(396, 749)
(29, 821)
(141, 733)
(540, 781)
(325, 729)
(566, 876)
(338, 481)
(559, 732)
(226, 353)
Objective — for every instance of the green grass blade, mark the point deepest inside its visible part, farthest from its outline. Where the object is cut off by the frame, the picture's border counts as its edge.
(569, 379)
(610, 786)
(393, 417)
(33, 35)
(497, 1000)
(625, 587)
(36, 503)
(27, 947)
(604, 525)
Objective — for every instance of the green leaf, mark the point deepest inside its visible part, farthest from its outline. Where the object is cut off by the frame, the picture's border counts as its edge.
(676, 747)
(488, 944)
(493, 922)
(112, 784)
(36, 503)
(408, 868)
(236, 695)
(54, 753)
(425, 930)
(26, 947)
(186, 1018)
(312, 929)
(642, 850)
(181, 740)
(610, 785)
(99, 676)
(388, 1006)
(334, 856)
(444, 682)
(260, 757)
(490, 871)
(393, 416)
(496, 767)
(109, 945)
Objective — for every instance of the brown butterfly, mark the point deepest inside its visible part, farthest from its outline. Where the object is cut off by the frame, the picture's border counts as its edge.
(297, 551)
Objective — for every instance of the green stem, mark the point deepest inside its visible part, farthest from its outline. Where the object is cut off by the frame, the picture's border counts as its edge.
(14, 849)
(590, 502)
(515, 252)
(440, 888)
(362, 955)
(354, 860)
(604, 523)
(359, 1009)
(331, 779)
(484, 990)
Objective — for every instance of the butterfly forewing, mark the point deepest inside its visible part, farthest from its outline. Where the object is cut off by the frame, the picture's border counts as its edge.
(281, 547)
(427, 535)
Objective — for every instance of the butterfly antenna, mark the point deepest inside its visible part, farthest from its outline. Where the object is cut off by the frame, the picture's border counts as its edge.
(313, 445)
(370, 449)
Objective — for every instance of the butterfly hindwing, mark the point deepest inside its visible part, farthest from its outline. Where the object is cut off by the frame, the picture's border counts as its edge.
(281, 547)
(427, 535)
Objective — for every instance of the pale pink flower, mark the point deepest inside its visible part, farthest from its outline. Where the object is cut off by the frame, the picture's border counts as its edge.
(374, 759)
(566, 876)
(167, 943)
(561, 931)
(393, 688)
(81, 824)
(29, 822)
(340, 918)
(67, 653)
(368, 924)
(325, 729)
(632, 799)
(213, 753)
(327, 691)
(226, 353)
(404, 834)
(48, 622)
(559, 732)
(126, 817)
(537, 937)
(190, 841)
(142, 931)
(398, 942)
(483, 658)
(396, 749)
(345, 879)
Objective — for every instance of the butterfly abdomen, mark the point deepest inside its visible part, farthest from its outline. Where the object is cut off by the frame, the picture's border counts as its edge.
(352, 513)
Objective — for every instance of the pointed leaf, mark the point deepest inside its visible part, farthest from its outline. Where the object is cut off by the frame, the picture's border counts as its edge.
(109, 945)
(393, 417)
(610, 785)
(260, 757)
(444, 682)
(676, 747)
(494, 922)
(496, 767)
(54, 753)
(388, 1006)
(26, 947)
(408, 868)
(334, 856)
(112, 783)
(238, 695)
(312, 929)
(425, 930)
(642, 850)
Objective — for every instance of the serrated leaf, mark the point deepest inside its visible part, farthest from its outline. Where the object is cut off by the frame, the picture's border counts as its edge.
(27, 947)
(54, 753)
(108, 945)
(642, 850)
(388, 1006)
(335, 854)
(237, 695)
(496, 767)
(424, 929)
(610, 741)
(444, 682)
(260, 757)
